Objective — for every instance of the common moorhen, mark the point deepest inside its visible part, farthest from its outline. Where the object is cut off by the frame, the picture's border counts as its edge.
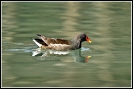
(61, 44)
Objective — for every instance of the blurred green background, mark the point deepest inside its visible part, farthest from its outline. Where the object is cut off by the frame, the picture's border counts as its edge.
(108, 25)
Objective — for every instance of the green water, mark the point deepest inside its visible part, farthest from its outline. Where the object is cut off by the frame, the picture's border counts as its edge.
(107, 24)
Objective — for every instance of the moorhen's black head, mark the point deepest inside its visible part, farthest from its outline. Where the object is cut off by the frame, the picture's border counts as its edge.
(76, 42)
(83, 37)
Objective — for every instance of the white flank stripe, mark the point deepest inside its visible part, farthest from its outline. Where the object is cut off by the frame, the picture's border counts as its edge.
(38, 44)
(59, 46)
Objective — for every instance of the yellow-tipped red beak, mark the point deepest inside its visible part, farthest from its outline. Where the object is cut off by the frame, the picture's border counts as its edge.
(88, 39)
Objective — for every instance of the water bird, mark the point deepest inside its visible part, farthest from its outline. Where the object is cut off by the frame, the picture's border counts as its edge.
(61, 44)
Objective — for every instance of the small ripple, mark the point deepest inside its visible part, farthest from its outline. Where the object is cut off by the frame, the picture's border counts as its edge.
(85, 49)
(18, 50)
(17, 47)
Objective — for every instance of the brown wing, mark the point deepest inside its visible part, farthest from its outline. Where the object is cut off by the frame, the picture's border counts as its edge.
(53, 40)
(58, 41)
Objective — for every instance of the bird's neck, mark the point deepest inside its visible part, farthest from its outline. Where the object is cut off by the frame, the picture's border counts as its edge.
(76, 43)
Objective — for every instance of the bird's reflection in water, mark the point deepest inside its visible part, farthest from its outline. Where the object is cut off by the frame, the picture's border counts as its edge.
(52, 54)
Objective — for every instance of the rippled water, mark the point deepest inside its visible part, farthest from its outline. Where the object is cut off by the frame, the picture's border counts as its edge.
(106, 62)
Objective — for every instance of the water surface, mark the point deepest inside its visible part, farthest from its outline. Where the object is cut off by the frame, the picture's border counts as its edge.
(107, 24)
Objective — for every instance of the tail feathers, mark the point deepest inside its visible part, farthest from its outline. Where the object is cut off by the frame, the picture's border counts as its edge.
(38, 35)
(39, 42)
